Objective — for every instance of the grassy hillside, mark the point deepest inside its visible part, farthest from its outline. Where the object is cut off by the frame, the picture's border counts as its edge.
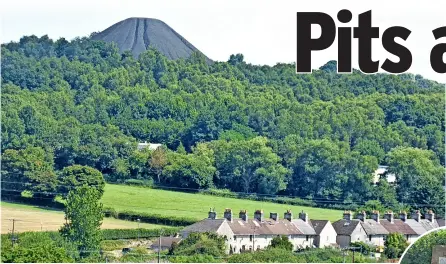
(170, 203)
(32, 218)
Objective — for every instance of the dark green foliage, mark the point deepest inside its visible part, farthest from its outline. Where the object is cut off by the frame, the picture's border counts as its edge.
(84, 216)
(276, 255)
(150, 218)
(199, 258)
(143, 183)
(421, 250)
(200, 243)
(281, 242)
(113, 234)
(76, 176)
(395, 245)
(37, 247)
(365, 248)
(235, 126)
(29, 169)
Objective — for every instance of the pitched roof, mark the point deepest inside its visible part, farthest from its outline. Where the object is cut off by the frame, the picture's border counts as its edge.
(267, 227)
(345, 227)
(205, 225)
(371, 227)
(440, 222)
(398, 226)
(305, 227)
(422, 226)
(318, 225)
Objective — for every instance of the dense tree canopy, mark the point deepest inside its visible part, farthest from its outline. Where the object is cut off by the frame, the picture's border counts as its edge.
(238, 126)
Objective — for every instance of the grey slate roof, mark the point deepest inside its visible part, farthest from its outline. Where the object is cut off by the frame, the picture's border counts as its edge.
(440, 222)
(371, 227)
(422, 226)
(305, 227)
(318, 225)
(205, 225)
(267, 227)
(345, 227)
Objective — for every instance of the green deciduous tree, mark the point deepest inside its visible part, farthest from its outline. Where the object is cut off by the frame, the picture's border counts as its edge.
(419, 176)
(395, 245)
(200, 243)
(281, 242)
(84, 215)
(37, 247)
(29, 169)
(75, 176)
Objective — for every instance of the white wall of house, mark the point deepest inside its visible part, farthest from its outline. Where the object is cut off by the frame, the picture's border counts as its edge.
(327, 237)
(301, 240)
(411, 238)
(225, 230)
(377, 240)
(247, 242)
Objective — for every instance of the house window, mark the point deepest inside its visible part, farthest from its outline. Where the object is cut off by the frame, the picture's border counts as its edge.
(370, 238)
(307, 237)
(235, 237)
(250, 237)
(243, 248)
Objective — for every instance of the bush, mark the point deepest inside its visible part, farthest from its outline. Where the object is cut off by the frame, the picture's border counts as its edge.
(219, 192)
(114, 234)
(141, 183)
(110, 212)
(37, 247)
(150, 218)
(366, 249)
(273, 255)
(199, 258)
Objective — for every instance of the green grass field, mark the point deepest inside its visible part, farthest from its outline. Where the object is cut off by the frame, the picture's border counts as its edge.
(169, 203)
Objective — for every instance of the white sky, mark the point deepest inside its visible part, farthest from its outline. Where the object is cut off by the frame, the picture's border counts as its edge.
(264, 31)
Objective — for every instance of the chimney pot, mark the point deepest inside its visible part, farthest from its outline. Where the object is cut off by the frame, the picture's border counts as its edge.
(416, 216)
(288, 215)
(244, 215)
(389, 216)
(274, 216)
(403, 216)
(303, 216)
(228, 214)
(361, 216)
(430, 216)
(258, 215)
(375, 216)
(212, 214)
(347, 215)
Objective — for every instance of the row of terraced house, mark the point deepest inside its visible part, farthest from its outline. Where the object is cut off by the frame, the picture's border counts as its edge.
(244, 233)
